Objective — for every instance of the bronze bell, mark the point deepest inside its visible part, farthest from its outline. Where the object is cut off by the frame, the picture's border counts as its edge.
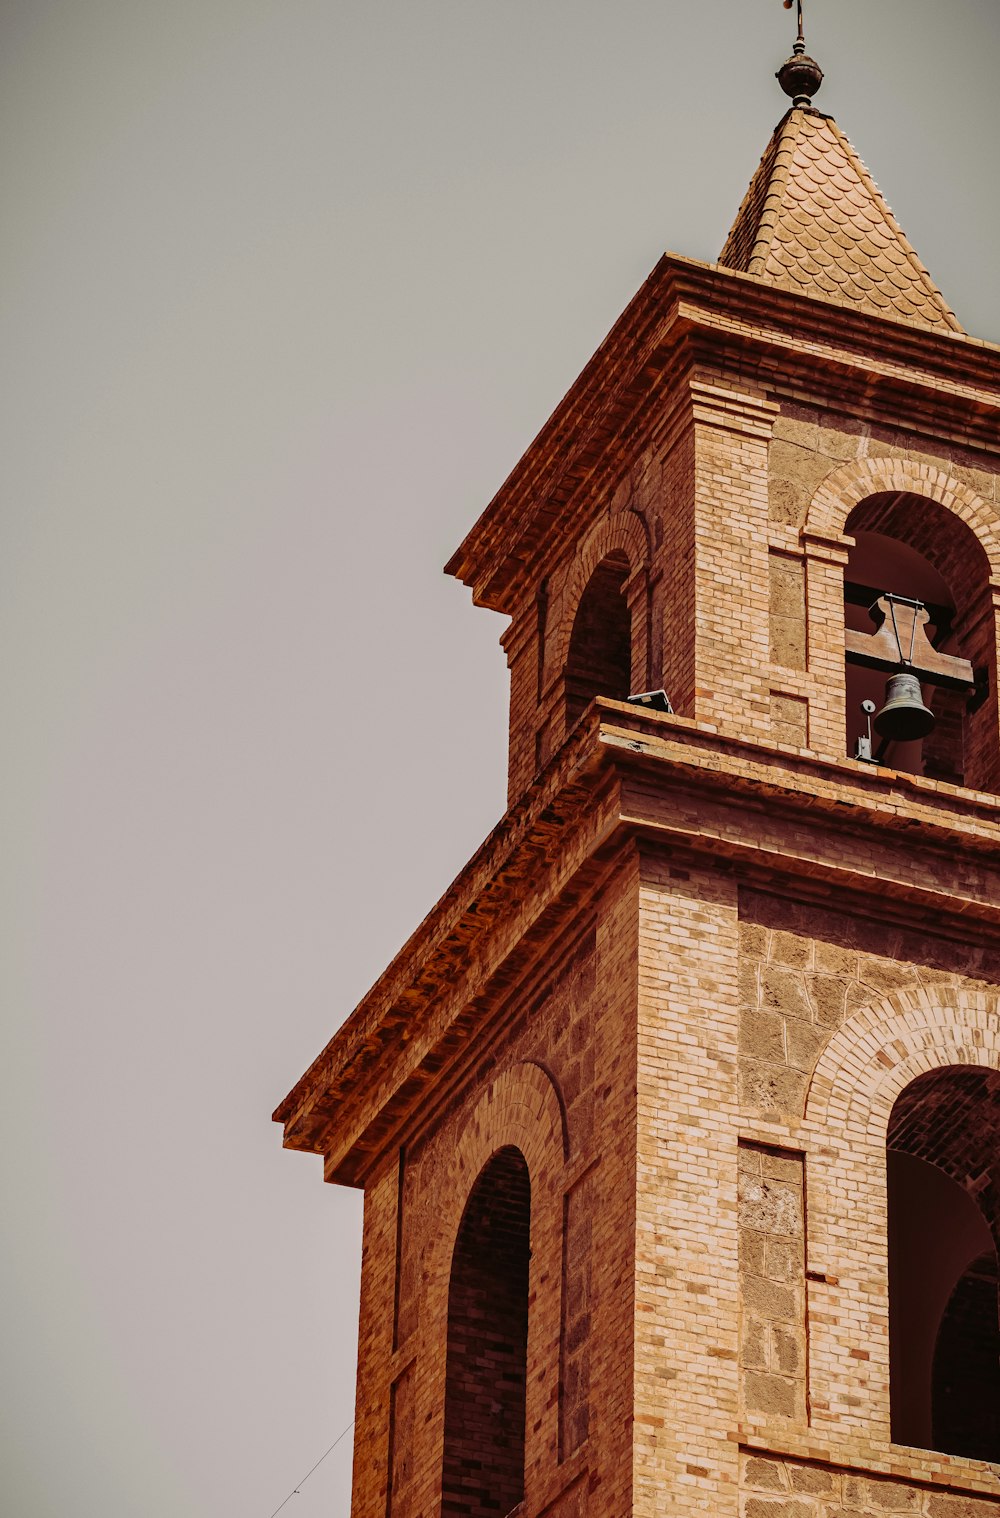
(904, 715)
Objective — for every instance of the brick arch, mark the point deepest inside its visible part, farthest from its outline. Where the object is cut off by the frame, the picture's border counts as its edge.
(879, 1050)
(521, 1109)
(868, 1062)
(844, 489)
(625, 532)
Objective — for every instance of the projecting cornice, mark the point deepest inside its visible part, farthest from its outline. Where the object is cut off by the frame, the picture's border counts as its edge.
(690, 316)
(874, 841)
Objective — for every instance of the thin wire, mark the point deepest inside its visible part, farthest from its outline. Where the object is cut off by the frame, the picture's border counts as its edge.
(295, 1489)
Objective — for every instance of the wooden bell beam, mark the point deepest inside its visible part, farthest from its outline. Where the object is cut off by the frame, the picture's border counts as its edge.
(901, 643)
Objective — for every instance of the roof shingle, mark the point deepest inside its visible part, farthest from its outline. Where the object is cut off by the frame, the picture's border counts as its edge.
(814, 221)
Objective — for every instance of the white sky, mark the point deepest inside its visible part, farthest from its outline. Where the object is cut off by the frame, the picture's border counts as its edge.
(286, 290)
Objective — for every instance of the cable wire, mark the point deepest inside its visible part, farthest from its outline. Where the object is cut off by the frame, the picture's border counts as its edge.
(296, 1489)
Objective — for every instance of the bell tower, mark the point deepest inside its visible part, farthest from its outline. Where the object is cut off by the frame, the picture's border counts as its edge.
(678, 1118)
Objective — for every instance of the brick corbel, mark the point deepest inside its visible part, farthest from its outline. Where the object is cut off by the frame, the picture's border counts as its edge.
(514, 638)
(747, 411)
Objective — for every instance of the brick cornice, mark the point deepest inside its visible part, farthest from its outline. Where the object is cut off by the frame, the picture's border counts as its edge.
(880, 841)
(688, 316)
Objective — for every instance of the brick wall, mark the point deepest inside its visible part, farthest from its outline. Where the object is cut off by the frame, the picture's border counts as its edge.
(699, 1071)
(557, 1088)
(599, 658)
(732, 533)
(487, 1330)
(702, 1078)
(687, 1304)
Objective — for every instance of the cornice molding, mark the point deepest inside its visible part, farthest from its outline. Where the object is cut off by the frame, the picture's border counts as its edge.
(692, 320)
(875, 841)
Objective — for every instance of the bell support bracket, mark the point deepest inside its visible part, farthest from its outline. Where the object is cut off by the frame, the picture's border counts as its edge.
(902, 642)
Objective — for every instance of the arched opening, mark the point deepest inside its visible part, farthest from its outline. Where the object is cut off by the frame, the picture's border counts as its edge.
(944, 1213)
(965, 1392)
(600, 645)
(487, 1365)
(913, 550)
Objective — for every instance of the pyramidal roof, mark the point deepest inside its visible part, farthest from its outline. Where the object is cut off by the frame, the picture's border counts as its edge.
(814, 221)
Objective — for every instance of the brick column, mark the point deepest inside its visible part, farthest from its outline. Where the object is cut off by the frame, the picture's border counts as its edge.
(686, 1305)
(520, 643)
(982, 727)
(636, 592)
(732, 432)
(378, 1290)
(826, 560)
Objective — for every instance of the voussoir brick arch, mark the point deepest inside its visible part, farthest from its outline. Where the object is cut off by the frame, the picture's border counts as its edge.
(522, 1110)
(852, 483)
(624, 532)
(868, 1063)
(877, 1053)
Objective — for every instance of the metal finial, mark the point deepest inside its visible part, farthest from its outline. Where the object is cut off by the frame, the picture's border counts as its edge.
(801, 76)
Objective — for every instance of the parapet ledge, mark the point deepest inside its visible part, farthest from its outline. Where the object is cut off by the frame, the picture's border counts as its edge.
(917, 1467)
(828, 783)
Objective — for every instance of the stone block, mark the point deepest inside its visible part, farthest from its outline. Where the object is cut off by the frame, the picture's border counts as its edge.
(786, 1351)
(765, 1475)
(804, 1044)
(783, 990)
(811, 1479)
(768, 1299)
(772, 1395)
(770, 1207)
(828, 994)
(762, 1036)
(791, 949)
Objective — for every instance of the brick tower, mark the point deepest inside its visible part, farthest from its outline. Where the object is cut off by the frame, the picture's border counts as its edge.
(678, 1119)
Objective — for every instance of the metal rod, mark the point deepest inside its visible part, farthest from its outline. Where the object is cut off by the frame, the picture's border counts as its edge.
(895, 601)
(788, 6)
(895, 628)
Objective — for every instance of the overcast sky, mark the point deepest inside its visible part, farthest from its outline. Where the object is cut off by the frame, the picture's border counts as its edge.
(286, 290)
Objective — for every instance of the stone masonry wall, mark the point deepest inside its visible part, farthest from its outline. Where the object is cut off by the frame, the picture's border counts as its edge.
(773, 1347)
(805, 969)
(807, 443)
(782, 1488)
(807, 975)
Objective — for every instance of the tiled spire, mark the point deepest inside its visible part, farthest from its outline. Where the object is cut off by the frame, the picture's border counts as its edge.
(814, 221)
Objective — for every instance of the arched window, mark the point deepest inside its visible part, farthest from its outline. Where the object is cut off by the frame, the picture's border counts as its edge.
(944, 1216)
(916, 594)
(600, 645)
(486, 1378)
